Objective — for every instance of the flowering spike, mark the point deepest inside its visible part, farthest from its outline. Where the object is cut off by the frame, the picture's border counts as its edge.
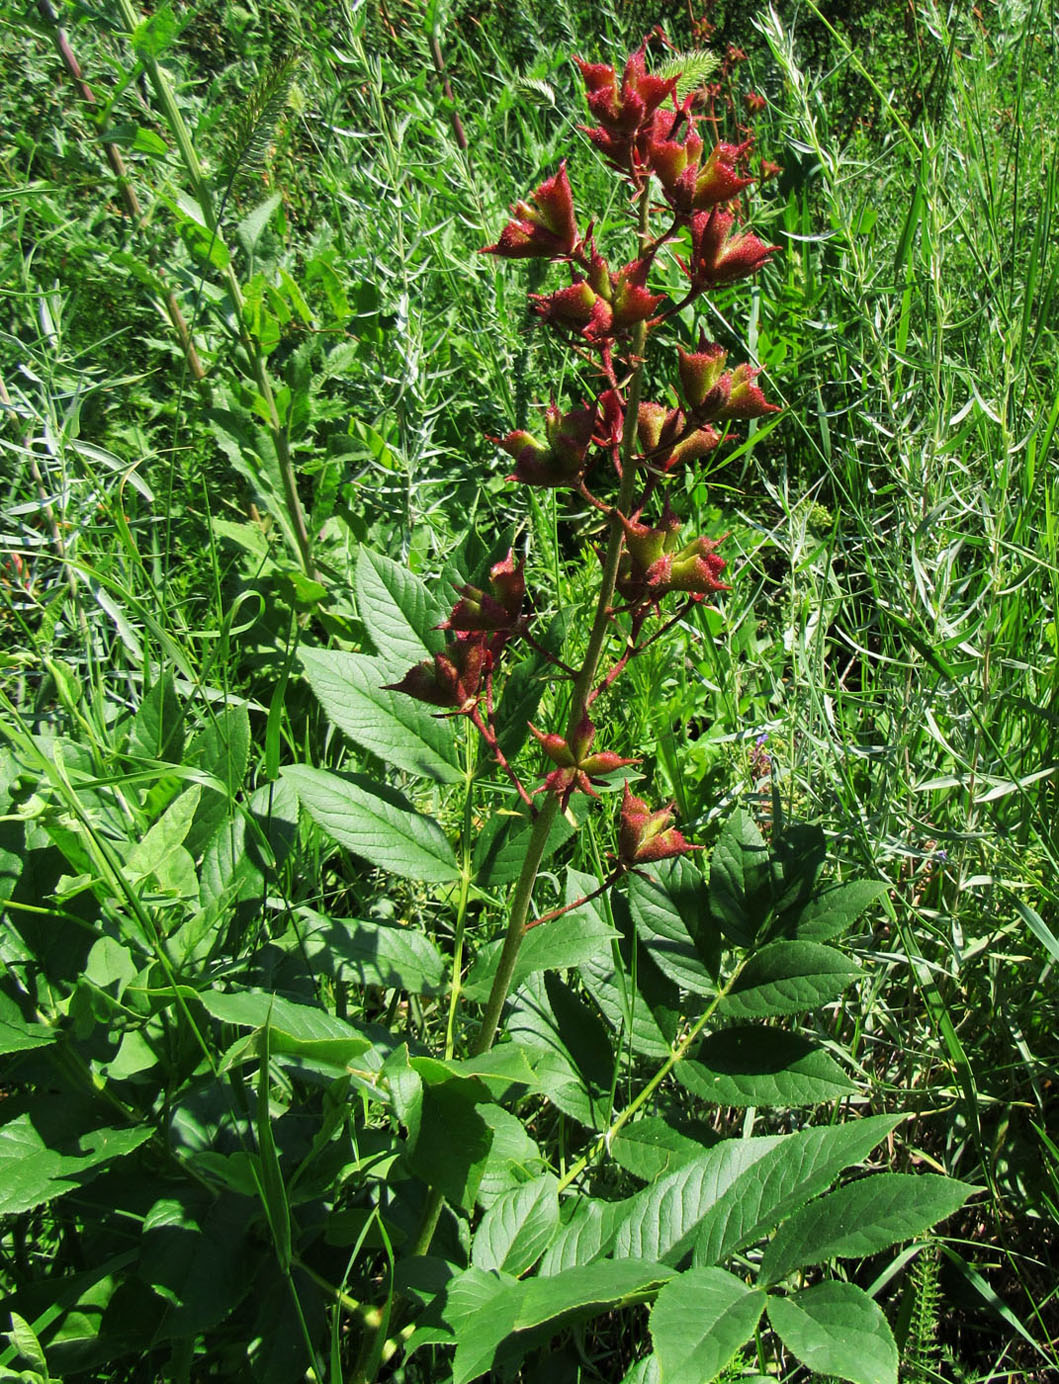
(697, 569)
(560, 460)
(576, 770)
(496, 611)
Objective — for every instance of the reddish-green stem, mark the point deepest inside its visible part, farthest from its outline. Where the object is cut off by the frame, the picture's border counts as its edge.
(583, 685)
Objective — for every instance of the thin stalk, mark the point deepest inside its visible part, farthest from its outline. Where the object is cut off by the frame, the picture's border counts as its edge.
(204, 197)
(466, 870)
(601, 624)
(677, 1055)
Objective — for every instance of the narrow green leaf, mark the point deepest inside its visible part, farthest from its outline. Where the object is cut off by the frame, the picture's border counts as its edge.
(835, 1328)
(860, 1219)
(763, 1066)
(396, 728)
(647, 1371)
(799, 1167)
(589, 1289)
(400, 614)
(788, 978)
(699, 1321)
(518, 1227)
(375, 822)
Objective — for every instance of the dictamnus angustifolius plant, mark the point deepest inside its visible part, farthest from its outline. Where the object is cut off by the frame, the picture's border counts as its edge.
(611, 1127)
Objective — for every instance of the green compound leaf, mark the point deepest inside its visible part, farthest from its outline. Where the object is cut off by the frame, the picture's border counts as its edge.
(763, 1066)
(518, 1227)
(861, 1218)
(837, 1329)
(699, 1321)
(523, 1306)
(788, 978)
(401, 615)
(374, 822)
(395, 727)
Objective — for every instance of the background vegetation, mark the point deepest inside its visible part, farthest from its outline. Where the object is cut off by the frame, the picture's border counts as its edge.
(885, 668)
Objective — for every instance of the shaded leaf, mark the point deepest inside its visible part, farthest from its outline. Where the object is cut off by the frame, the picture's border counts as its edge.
(832, 911)
(740, 880)
(662, 918)
(32, 1171)
(651, 1147)
(763, 1066)
(500, 847)
(377, 953)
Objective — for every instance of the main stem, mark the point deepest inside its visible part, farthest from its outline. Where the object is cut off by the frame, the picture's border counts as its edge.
(583, 684)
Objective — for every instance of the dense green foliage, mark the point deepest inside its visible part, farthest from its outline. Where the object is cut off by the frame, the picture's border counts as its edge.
(250, 366)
